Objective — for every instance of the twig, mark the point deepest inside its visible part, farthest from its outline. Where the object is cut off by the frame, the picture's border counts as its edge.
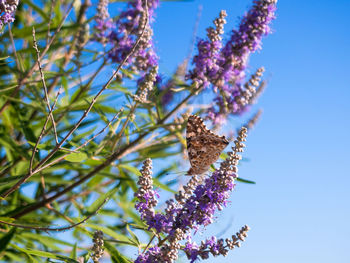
(119, 135)
(140, 145)
(57, 228)
(14, 47)
(86, 192)
(35, 45)
(42, 133)
(49, 23)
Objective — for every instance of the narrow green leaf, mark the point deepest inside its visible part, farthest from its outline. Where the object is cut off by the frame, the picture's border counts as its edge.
(37, 9)
(47, 240)
(111, 233)
(5, 240)
(130, 168)
(9, 180)
(73, 254)
(245, 181)
(115, 254)
(13, 256)
(135, 238)
(157, 183)
(45, 254)
(76, 157)
(99, 201)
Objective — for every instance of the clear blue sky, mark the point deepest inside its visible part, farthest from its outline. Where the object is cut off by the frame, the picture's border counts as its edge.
(299, 153)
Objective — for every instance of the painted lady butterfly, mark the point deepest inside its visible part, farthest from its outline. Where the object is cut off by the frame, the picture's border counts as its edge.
(203, 146)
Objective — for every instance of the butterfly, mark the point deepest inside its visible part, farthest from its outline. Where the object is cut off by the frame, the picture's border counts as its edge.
(203, 146)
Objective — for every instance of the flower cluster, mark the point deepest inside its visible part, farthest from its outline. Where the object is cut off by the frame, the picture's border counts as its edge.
(247, 39)
(146, 85)
(7, 11)
(97, 249)
(223, 65)
(131, 23)
(104, 23)
(194, 207)
(247, 92)
(206, 67)
(214, 246)
(145, 194)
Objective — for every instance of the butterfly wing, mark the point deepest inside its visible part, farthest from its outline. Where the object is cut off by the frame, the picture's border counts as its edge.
(203, 146)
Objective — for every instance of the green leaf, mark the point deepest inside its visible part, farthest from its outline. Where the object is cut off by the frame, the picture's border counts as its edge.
(245, 181)
(95, 181)
(76, 157)
(121, 238)
(45, 254)
(95, 205)
(157, 183)
(5, 240)
(47, 240)
(37, 9)
(15, 257)
(130, 168)
(135, 238)
(30, 258)
(9, 180)
(115, 254)
(73, 254)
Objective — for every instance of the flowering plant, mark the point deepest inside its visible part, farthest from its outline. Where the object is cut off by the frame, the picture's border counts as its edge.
(70, 140)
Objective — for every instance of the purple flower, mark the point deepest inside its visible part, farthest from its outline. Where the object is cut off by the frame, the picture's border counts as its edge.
(149, 256)
(146, 195)
(244, 41)
(214, 246)
(104, 23)
(7, 11)
(223, 66)
(129, 25)
(247, 39)
(205, 61)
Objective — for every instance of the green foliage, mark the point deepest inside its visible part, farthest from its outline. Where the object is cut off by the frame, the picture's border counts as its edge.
(51, 170)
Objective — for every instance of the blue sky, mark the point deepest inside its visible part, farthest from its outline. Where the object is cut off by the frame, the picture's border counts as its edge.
(299, 209)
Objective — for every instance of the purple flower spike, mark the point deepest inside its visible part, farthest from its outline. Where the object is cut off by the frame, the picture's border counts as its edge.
(205, 62)
(145, 194)
(128, 28)
(214, 246)
(7, 11)
(235, 54)
(247, 39)
(104, 23)
(223, 66)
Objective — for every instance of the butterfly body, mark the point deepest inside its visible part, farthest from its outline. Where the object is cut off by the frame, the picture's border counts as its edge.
(203, 146)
